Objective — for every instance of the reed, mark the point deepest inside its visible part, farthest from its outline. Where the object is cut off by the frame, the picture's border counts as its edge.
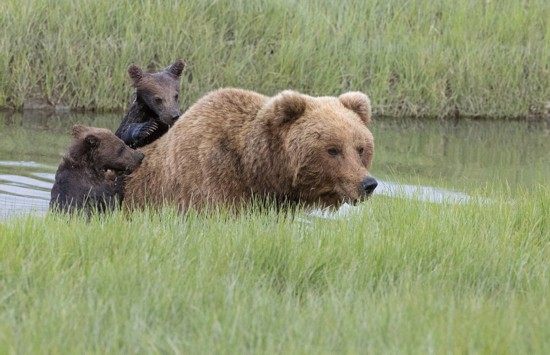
(435, 58)
(397, 276)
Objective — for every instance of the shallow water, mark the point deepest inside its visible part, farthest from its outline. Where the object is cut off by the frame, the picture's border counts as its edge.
(427, 159)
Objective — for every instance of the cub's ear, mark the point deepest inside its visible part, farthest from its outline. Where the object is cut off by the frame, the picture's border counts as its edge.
(92, 141)
(358, 103)
(136, 73)
(79, 131)
(177, 68)
(287, 106)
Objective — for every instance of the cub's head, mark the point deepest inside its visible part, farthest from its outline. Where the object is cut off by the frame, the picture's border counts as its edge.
(328, 144)
(159, 91)
(100, 149)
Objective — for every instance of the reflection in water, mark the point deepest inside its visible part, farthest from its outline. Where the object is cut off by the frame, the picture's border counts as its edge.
(422, 193)
(424, 159)
(468, 156)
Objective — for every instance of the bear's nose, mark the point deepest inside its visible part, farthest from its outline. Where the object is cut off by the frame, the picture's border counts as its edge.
(175, 116)
(369, 184)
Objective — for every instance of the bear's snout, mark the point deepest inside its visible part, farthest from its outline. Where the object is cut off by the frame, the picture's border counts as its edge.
(140, 156)
(137, 158)
(175, 116)
(368, 185)
(169, 117)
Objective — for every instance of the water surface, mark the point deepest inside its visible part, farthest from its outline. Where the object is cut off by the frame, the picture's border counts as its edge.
(429, 159)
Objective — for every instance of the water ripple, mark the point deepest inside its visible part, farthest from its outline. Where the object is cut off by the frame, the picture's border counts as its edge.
(24, 194)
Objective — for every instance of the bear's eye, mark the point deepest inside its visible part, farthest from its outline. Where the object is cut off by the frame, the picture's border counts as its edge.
(333, 151)
(158, 100)
(176, 97)
(360, 150)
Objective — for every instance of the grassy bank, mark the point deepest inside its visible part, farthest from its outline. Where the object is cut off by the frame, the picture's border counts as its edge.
(401, 276)
(413, 58)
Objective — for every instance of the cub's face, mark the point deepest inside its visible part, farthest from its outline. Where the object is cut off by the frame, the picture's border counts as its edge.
(104, 150)
(159, 91)
(112, 153)
(332, 151)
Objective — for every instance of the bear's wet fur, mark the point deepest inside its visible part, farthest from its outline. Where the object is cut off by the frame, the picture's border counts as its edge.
(234, 146)
(86, 179)
(155, 104)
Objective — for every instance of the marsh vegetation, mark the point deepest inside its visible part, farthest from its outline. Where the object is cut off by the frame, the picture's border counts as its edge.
(399, 274)
(420, 58)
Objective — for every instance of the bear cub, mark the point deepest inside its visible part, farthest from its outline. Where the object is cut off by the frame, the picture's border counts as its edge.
(86, 179)
(154, 107)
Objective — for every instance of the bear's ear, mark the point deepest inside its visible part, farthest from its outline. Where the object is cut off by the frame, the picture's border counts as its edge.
(177, 68)
(79, 130)
(92, 141)
(358, 103)
(136, 74)
(288, 106)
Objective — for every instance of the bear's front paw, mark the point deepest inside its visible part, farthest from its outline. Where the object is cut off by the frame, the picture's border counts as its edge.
(145, 133)
(145, 130)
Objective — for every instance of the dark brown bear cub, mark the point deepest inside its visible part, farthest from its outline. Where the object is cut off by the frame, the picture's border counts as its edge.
(155, 105)
(86, 178)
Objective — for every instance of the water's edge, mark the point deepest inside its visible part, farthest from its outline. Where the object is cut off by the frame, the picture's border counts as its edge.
(431, 160)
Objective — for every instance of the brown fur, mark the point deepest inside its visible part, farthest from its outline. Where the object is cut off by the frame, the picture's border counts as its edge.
(154, 107)
(234, 144)
(86, 178)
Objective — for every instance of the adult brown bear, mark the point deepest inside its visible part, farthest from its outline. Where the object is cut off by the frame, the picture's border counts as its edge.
(234, 145)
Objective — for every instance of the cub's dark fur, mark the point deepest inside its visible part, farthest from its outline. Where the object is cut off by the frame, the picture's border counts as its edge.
(155, 105)
(86, 180)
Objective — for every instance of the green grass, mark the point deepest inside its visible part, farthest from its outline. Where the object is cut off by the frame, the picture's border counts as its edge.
(399, 276)
(415, 58)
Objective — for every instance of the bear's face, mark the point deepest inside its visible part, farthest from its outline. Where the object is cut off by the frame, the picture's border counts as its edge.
(329, 146)
(159, 91)
(103, 150)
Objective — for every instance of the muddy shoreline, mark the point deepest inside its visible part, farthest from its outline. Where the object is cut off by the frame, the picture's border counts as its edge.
(44, 107)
